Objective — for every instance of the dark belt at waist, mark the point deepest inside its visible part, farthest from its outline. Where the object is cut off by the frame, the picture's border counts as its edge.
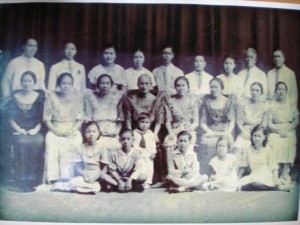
(282, 123)
(109, 135)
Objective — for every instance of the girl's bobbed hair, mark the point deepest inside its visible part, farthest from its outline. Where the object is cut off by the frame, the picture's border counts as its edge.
(264, 131)
(84, 128)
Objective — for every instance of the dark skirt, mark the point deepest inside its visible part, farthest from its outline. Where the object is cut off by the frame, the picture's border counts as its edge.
(258, 187)
(25, 156)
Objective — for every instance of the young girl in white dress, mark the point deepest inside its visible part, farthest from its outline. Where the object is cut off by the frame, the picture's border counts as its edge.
(224, 167)
(90, 164)
(262, 164)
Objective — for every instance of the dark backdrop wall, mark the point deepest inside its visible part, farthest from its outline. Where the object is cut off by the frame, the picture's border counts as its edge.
(212, 31)
(192, 29)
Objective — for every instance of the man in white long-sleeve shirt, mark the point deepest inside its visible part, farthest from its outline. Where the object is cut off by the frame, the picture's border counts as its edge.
(68, 65)
(199, 79)
(17, 66)
(282, 73)
(251, 74)
(166, 74)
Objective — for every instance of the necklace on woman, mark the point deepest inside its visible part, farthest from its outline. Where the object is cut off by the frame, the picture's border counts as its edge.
(91, 151)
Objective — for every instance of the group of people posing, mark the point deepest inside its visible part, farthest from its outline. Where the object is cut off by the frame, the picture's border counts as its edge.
(113, 129)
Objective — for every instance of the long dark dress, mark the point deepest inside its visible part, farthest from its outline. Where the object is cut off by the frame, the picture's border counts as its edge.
(26, 151)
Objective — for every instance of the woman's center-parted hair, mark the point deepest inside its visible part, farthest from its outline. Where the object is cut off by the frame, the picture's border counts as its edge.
(28, 73)
(263, 130)
(217, 79)
(259, 85)
(281, 83)
(182, 78)
(99, 79)
(62, 76)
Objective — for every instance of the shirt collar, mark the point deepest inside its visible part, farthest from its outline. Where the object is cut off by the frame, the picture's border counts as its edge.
(26, 58)
(188, 152)
(252, 68)
(169, 66)
(142, 132)
(281, 68)
(120, 151)
(67, 61)
(198, 73)
(140, 95)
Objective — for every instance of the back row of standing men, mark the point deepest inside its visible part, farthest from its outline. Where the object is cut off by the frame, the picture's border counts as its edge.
(163, 76)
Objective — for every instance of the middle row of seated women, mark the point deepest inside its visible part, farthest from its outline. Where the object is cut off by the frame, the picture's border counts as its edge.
(64, 112)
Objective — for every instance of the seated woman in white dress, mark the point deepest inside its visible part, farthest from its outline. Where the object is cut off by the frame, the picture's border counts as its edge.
(262, 163)
(283, 120)
(63, 115)
(106, 108)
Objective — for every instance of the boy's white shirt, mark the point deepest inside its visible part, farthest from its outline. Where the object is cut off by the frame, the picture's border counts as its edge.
(149, 140)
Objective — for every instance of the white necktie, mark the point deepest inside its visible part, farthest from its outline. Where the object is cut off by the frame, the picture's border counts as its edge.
(70, 67)
(199, 80)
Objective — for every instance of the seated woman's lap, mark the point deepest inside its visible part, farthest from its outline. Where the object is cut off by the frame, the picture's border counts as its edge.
(110, 142)
(26, 156)
(33, 140)
(60, 152)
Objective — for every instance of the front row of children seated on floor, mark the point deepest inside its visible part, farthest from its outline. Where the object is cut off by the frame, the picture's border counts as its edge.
(131, 167)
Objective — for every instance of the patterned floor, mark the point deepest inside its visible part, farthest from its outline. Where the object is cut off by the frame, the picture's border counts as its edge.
(154, 205)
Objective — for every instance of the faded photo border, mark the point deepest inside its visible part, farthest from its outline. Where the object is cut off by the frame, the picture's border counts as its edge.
(287, 5)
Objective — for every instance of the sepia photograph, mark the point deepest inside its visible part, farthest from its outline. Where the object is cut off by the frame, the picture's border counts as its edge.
(149, 112)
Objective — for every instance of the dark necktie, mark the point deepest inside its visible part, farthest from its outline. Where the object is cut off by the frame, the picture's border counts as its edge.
(143, 142)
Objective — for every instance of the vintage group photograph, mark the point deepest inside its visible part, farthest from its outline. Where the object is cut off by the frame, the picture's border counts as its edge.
(149, 113)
